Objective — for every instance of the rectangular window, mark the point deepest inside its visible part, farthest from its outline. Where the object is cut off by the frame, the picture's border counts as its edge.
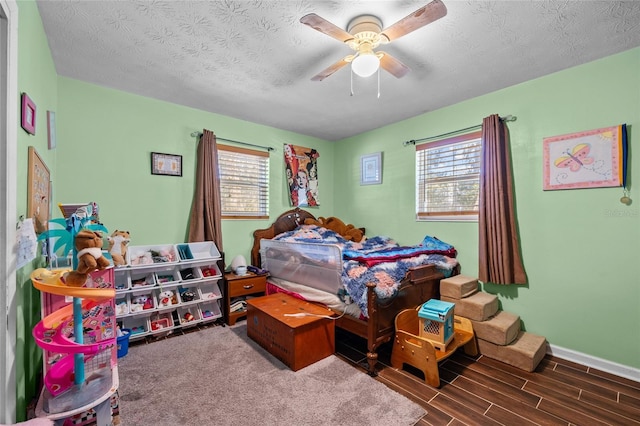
(244, 183)
(448, 178)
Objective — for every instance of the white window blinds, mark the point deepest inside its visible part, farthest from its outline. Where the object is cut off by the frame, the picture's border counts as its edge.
(244, 183)
(448, 177)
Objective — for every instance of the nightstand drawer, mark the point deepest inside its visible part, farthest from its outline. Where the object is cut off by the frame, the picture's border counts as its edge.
(249, 285)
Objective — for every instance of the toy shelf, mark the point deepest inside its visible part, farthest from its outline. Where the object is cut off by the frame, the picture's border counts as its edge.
(191, 272)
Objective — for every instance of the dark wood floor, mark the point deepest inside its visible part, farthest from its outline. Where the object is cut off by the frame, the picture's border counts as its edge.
(483, 391)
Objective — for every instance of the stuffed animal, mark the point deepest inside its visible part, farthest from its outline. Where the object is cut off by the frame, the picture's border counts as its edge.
(140, 303)
(118, 242)
(90, 258)
(348, 232)
(166, 298)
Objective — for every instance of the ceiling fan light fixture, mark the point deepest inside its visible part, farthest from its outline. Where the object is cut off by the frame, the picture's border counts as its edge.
(365, 65)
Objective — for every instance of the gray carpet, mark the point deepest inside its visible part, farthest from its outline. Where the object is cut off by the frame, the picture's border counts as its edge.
(218, 376)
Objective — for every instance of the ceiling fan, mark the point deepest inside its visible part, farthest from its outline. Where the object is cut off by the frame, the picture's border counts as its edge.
(364, 34)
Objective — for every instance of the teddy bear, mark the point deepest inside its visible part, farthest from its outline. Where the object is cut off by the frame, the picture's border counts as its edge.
(348, 232)
(118, 242)
(90, 257)
(166, 298)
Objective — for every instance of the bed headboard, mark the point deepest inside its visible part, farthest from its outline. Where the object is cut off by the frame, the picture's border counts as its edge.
(287, 221)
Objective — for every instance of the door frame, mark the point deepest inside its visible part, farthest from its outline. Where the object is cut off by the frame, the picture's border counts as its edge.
(8, 205)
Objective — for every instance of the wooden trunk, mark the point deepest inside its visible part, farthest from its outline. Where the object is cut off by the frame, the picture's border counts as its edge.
(296, 341)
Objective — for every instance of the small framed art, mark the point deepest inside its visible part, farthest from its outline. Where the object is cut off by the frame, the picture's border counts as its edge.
(51, 129)
(28, 116)
(166, 164)
(371, 169)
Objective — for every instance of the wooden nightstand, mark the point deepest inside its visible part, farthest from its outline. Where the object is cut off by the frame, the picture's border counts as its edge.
(241, 286)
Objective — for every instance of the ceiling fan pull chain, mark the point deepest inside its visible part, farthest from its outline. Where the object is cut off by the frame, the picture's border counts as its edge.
(378, 83)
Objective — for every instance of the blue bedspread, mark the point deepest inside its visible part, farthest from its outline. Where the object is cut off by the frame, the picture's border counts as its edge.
(378, 260)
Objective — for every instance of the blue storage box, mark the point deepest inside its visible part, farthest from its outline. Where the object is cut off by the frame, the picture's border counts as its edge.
(436, 322)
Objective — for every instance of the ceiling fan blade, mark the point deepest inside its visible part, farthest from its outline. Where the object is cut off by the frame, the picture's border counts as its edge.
(330, 70)
(421, 17)
(326, 27)
(392, 65)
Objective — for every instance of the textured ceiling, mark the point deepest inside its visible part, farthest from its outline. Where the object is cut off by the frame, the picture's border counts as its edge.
(254, 60)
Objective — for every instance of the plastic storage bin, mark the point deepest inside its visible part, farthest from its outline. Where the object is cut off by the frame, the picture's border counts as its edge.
(204, 250)
(210, 272)
(188, 315)
(189, 294)
(190, 273)
(152, 255)
(139, 326)
(141, 279)
(123, 342)
(210, 310)
(210, 291)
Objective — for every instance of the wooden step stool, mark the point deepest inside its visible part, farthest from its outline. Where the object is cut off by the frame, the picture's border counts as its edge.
(410, 348)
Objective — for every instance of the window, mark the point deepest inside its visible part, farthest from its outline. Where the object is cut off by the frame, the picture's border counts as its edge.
(244, 183)
(448, 178)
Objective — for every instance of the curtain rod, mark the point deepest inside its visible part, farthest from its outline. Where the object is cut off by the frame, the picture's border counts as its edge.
(268, 148)
(455, 132)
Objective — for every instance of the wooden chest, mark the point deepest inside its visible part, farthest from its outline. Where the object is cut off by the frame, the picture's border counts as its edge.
(297, 341)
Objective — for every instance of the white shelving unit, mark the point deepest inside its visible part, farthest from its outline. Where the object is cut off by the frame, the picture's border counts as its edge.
(191, 271)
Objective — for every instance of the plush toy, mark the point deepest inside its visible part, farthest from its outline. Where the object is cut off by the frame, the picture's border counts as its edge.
(118, 242)
(166, 298)
(90, 258)
(140, 303)
(348, 232)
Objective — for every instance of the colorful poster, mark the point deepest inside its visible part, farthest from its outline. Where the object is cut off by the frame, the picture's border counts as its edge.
(301, 171)
(589, 159)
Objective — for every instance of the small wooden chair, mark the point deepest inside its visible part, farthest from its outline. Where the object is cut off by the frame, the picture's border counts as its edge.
(410, 348)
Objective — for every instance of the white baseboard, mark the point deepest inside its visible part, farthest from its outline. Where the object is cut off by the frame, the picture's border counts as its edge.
(594, 362)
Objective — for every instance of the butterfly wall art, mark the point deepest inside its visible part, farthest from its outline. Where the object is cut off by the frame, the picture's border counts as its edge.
(588, 159)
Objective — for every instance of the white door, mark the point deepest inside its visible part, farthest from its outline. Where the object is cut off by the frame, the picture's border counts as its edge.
(8, 206)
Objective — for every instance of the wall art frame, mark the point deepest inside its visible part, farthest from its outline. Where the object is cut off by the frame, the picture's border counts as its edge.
(587, 159)
(28, 115)
(166, 164)
(51, 130)
(371, 169)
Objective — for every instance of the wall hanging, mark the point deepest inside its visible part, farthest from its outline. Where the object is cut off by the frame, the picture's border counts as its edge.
(38, 191)
(28, 116)
(588, 159)
(51, 129)
(301, 169)
(166, 164)
(371, 169)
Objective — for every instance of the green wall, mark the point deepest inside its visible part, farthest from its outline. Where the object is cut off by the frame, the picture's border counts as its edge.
(580, 247)
(106, 138)
(37, 77)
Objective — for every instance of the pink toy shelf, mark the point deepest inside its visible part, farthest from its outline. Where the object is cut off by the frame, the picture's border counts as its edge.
(62, 397)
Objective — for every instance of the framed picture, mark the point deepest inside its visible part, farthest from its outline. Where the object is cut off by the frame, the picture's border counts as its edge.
(166, 164)
(588, 159)
(51, 129)
(28, 121)
(38, 191)
(371, 169)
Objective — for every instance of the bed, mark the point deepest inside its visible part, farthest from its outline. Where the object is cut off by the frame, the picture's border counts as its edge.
(318, 267)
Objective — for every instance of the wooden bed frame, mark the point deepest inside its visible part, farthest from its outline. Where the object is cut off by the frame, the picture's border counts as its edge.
(419, 285)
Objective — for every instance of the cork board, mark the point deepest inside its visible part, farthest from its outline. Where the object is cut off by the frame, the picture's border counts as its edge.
(38, 191)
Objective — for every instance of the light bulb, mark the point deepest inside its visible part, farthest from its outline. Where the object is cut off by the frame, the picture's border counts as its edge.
(365, 65)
